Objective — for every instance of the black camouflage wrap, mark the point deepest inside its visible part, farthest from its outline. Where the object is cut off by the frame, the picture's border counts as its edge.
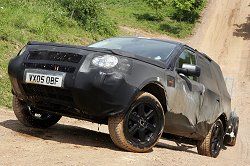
(94, 94)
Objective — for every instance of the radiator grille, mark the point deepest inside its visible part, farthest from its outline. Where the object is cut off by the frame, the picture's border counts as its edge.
(55, 56)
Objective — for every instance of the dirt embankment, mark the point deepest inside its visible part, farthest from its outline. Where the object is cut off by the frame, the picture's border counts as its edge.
(224, 34)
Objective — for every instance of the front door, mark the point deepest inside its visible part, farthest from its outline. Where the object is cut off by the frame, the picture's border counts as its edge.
(182, 117)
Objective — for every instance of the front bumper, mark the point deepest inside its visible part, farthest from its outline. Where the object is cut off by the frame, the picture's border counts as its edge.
(91, 94)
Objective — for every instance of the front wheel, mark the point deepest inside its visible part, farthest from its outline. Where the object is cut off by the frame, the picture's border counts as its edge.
(141, 127)
(212, 144)
(30, 117)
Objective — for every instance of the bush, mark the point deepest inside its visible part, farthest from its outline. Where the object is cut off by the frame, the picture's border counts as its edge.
(187, 10)
(91, 15)
(156, 5)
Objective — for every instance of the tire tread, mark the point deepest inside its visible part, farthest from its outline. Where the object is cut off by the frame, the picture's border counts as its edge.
(115, 125)
(22, 113)
(204, 146)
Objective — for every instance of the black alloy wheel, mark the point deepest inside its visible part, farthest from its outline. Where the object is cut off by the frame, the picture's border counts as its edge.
(211, 145)
(139, 129)
(217, 139)
(142, 125)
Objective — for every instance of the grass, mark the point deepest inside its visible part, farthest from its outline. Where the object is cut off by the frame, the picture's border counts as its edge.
(138, 14)
(25, 20)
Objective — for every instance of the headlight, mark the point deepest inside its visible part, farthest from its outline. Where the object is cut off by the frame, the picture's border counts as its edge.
(22, 51)
(105, 61)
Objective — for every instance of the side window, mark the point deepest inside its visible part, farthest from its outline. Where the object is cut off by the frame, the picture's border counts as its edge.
(207, 77)
(187, 57)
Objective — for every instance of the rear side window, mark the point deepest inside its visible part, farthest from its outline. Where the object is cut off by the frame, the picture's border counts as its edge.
(215, 68)
(206, 76)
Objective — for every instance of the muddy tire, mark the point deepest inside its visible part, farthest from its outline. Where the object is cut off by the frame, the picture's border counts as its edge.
(30, 117)
(232, 141)
(141, 127)
(212, 144)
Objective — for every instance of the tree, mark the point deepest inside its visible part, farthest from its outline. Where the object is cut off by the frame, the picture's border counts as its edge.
(156, 4)
(187, 10)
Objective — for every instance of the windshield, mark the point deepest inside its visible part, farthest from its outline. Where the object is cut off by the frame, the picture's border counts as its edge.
(154, 49)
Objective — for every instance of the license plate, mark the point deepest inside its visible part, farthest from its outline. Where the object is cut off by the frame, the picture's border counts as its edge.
(44, 79)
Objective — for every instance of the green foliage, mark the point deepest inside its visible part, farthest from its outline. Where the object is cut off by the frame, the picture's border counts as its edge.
(138, 14)
(91, 15)
(52, 20)
(156, 5)
(187, 10)
(25, 20)
(83, 10)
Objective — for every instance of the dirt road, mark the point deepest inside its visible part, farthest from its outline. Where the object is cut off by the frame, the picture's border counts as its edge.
(224, 34)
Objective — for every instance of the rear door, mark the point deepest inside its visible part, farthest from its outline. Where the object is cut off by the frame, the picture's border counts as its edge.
(211, 97)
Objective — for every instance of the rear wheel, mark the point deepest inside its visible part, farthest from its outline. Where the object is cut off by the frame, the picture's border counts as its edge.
(140, 128)
(30, 117)
(231, 141)
(212, 144)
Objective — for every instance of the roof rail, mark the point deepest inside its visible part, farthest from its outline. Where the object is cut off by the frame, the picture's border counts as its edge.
(206, 56)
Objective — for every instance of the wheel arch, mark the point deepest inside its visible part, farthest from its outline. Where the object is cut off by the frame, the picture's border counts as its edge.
(158, 91)
(223, 118)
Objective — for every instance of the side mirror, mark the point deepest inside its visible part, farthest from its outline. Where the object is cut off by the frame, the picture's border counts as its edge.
(189, 70)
